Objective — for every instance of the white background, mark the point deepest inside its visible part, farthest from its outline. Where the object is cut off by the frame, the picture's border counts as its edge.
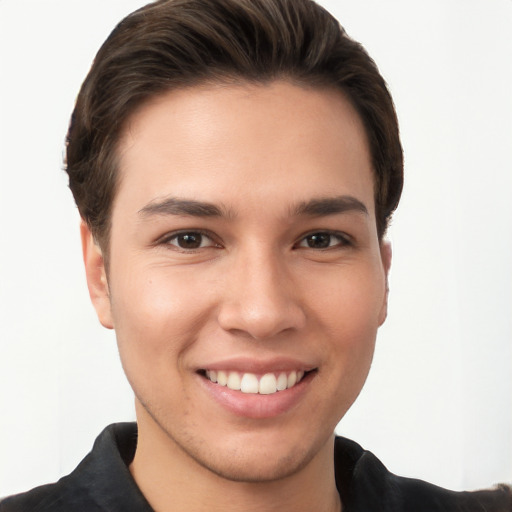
(438, 403)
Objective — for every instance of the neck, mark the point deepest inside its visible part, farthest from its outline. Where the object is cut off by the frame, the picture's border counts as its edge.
(171, 480)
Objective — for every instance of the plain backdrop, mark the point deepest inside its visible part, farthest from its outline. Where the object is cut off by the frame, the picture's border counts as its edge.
(438, 402)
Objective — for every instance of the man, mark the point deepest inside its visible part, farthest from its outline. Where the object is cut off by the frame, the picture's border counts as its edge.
(236, 164)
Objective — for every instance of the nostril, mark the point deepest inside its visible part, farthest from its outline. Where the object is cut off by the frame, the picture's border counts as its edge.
(261, 321)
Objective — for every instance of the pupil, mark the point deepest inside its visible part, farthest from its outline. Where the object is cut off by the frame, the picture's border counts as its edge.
(319, 241)
(189, 241)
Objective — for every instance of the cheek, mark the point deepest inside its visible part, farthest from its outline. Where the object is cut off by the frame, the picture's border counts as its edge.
(156, 318)
(349, 301)
(348, 310)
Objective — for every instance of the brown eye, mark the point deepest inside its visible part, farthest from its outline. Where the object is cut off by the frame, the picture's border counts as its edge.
(318, 240)
(190, 240)
(323, 240)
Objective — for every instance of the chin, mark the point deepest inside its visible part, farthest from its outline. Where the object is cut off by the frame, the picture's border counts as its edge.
(259, 456)
(256, 465)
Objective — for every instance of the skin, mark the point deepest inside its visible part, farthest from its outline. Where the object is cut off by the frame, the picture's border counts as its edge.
(256, 289)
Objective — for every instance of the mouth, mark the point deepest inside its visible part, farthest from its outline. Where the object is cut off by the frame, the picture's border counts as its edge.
(256, 389)
(252, 383)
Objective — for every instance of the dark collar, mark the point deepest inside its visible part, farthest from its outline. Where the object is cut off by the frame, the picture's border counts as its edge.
(102, 483)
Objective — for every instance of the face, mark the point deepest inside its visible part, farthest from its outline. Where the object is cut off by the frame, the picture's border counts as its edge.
(246, 280)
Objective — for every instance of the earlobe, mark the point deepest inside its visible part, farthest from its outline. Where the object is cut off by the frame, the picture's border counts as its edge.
(96, 277)
(385, 254)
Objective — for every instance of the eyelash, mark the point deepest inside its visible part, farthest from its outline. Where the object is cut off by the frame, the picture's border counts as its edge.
(167, 239)
(343, 240)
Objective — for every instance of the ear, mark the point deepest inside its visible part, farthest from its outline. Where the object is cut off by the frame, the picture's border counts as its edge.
(96, 277)
(385, 255)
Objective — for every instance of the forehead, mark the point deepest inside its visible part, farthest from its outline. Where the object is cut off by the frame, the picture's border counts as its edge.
(205, 142)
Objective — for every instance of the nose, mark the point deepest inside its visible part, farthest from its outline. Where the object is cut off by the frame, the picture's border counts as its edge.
(260, 298)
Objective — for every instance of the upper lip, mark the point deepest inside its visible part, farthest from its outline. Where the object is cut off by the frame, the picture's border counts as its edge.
(258, 366)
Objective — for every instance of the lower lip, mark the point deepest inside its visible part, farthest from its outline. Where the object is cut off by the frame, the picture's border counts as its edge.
(254, 405)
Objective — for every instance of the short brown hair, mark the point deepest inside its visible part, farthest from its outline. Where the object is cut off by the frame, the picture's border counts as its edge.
(172, 44)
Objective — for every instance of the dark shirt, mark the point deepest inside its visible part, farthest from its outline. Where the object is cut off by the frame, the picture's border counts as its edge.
(102, 483)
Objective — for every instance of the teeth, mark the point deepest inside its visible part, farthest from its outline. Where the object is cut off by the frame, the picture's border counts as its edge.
(268, 384)
(292, 379)
(282, 382)
(222, 378)
(234, 381)
(249, 383)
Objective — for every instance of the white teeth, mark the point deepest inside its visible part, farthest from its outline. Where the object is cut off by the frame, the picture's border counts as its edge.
(292, 379)
(222, 378)
(234, 381)
(282, 382)
(268, 384)
(249, 383)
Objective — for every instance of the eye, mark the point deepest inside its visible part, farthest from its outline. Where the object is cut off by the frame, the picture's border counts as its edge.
(324, 240)
(190, 240)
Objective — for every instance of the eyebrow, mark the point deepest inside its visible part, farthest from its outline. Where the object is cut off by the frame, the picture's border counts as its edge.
(176, 206)
(316, 207)
(321, 206)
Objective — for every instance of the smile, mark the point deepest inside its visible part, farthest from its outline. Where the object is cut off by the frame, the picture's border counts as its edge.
(266, 384)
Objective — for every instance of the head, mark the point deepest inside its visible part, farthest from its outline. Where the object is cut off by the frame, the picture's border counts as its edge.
(237, 162)
(175, 44)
